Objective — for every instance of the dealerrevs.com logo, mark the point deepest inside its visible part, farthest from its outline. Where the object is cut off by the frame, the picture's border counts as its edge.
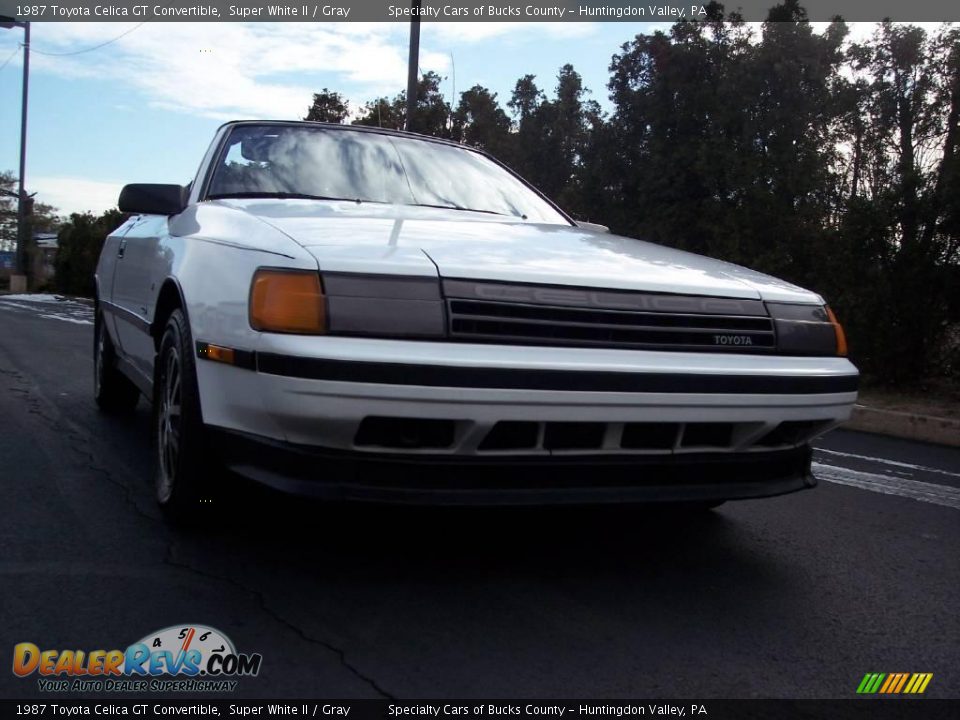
(179, 658)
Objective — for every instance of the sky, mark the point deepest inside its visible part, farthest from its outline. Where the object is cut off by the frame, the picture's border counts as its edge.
(144, 106)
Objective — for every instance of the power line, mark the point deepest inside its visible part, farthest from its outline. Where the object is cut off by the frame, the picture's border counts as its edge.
(89, 49)
(15, 51)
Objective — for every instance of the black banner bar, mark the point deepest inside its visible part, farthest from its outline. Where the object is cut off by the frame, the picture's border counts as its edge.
(877, 708)
(460, 10)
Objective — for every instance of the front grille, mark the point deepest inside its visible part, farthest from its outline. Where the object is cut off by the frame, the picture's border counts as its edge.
(533, 322)
(646, 437)
(531, 437)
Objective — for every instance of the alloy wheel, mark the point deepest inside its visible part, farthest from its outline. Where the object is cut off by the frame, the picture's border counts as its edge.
(168, 424)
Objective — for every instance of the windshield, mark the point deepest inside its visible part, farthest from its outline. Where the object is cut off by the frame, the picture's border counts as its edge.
(330, 164)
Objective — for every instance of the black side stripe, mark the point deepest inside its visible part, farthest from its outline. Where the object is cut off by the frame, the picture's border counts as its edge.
(515, 379)
(583, 381)
(121, 313)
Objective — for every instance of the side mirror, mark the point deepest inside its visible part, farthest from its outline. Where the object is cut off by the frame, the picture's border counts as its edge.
(592, 226)
(149, 199)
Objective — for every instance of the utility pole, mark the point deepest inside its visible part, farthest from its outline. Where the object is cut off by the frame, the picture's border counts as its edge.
(7, 22)
(413, 65)
(22, 199)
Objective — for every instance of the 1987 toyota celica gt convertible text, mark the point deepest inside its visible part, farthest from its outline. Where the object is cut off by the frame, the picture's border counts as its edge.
(357, 313)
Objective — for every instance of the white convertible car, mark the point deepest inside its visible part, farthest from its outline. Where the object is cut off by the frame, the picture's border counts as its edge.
(357, 313)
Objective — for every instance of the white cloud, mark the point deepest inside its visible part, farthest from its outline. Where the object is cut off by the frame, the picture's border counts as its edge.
(862, 31)
(226, 70)
(73, 194)
(457, 32)
(230, 70)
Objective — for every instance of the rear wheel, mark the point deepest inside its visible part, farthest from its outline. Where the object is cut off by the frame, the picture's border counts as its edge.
(184, 471)
(112, 390)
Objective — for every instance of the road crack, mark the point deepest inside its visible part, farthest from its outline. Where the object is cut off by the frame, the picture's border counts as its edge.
(73, 437)
(261, 599)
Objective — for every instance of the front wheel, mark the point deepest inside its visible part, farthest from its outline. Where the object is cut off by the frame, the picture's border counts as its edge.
(184, 472)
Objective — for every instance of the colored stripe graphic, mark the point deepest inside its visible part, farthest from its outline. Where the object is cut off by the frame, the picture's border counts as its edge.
(894, 683)
(918, 683)
(903, 680)
(871, 683)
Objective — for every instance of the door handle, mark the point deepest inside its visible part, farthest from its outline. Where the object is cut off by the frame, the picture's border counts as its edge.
(123, 248)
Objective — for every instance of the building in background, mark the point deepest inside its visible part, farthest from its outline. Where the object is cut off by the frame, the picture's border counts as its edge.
(43, 257)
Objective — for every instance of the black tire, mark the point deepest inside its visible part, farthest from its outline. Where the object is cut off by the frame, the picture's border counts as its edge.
(185, 475)
(112, 390)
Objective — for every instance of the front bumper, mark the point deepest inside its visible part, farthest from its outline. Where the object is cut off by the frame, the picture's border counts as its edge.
(334, 475)
(520, 424)
(318, 392)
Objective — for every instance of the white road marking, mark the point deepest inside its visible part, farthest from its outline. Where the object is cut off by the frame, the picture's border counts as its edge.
(49, 307)
(36, 297)
(889, 485)
(65, 318)
(924, 468)
(10, 303)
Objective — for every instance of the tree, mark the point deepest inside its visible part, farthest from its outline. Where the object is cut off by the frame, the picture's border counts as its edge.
(8, 212)
(551, 135)
(795, 134)
(480, 121)
(42, 218)
(574, 118)
(432, 111)
(526, 97)
(899, 220)
(382, 112)
(683, 123)
(328, 106)
(79, 243)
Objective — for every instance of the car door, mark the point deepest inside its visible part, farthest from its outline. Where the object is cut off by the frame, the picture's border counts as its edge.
(106, 274)
(141, 260)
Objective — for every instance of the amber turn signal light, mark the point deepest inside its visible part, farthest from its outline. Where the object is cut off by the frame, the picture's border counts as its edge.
(287, 301)
(220, 354)
(841, 335)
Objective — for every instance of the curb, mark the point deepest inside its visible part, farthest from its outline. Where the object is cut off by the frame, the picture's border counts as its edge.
(927, 428)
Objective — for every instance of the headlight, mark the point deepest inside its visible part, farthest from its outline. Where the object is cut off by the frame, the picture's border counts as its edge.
(287, 301)
(385, 306)
(804, 329)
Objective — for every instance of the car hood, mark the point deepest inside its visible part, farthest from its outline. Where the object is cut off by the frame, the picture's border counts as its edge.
(354, 237)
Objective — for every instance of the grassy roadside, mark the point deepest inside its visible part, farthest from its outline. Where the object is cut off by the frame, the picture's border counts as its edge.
(941, 401)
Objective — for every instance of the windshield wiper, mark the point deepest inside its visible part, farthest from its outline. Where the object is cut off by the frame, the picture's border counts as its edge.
(466, 209)
(280, 196)
(245, 195)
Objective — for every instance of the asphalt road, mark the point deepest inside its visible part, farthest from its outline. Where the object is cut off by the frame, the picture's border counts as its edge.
(796, 596)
